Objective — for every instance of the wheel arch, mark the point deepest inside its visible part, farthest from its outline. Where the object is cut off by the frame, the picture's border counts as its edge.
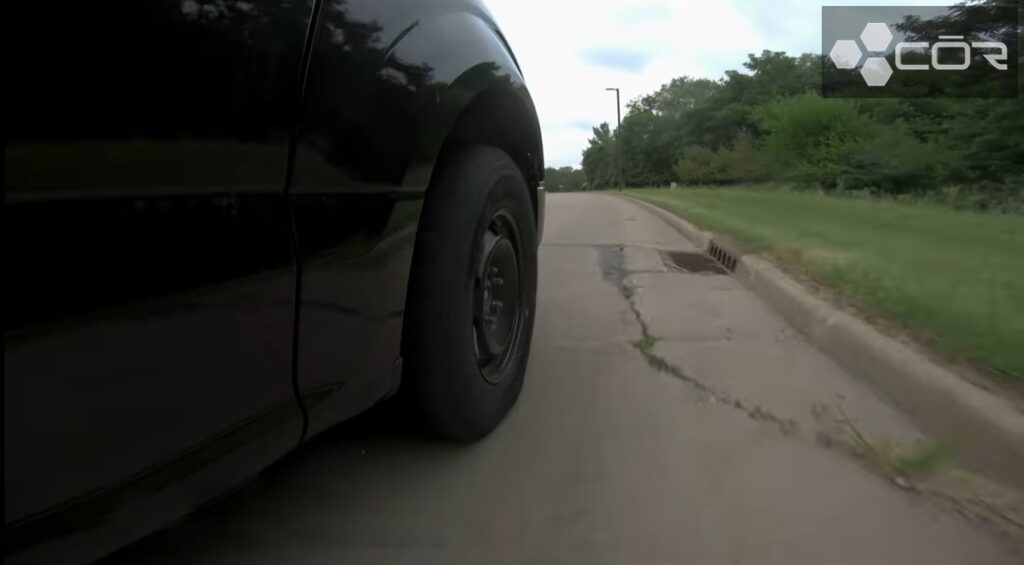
(499, 117)
(479, 95)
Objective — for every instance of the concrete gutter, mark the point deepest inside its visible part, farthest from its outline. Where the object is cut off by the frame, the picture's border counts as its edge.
(984, 431)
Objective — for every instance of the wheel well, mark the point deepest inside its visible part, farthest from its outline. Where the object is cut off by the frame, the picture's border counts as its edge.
(497, 117)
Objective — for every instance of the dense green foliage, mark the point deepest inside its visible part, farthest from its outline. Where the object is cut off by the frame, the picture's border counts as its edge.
(769, 123)
(953, 279)
(564, 179)
(599, 159)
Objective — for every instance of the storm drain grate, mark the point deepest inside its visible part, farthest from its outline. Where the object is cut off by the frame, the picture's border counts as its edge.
(693, 262)
(727, 259)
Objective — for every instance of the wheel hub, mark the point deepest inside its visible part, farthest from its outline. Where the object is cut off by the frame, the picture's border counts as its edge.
(495, 315)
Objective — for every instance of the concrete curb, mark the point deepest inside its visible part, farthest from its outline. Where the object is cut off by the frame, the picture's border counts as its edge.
(985, 432)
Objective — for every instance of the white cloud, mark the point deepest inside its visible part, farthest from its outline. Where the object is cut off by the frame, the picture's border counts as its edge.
(570, 50)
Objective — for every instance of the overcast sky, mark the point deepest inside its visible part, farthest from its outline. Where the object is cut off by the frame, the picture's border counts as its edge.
(570, 50)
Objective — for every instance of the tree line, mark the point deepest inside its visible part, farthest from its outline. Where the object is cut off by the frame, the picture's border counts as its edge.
(769, 123)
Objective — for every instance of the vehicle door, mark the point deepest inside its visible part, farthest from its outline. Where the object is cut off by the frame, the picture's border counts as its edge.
(150, 276)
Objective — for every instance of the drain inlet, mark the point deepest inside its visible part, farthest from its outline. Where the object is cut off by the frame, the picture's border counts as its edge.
(693, 262)
(723, 256)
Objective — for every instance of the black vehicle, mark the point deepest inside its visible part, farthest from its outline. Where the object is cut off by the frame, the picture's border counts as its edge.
(232, 224)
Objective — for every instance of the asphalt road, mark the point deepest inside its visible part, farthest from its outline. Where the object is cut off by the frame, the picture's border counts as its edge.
(711, 441)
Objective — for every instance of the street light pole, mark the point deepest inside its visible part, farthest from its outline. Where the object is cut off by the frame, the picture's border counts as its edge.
(618, 126)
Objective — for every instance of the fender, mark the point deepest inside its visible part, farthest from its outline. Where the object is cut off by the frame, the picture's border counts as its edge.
(388, 83)
(471, 62)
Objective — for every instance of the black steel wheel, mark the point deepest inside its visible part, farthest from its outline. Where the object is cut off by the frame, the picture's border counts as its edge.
(472, 292)
(498, 307)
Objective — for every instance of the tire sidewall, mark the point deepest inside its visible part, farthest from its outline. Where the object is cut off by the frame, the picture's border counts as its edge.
(454, 395)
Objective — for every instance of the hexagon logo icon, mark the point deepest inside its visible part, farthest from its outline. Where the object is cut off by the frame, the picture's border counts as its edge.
(876, 37)
(845, 54)
(876, 71)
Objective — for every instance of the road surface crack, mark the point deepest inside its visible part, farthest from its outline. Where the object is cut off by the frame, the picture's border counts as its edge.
(613, 269)
(968, 500)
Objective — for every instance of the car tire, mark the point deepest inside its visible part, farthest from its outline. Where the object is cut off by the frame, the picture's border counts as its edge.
(472, 292)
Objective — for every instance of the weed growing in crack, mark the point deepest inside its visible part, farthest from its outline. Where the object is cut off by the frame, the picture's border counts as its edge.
(915, 463)
(645, 344)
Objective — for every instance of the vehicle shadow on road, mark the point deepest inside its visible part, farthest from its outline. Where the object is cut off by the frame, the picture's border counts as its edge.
(333, 477)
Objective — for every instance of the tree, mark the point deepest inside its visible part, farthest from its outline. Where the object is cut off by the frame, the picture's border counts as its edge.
(984, 134)
(599, 159)
(809, 136)
(564, 179)
(698, 165)
(767, 121)
(743, 161)
(687, 112)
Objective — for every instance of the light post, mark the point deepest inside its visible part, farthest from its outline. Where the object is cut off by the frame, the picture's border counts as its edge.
(618, 126)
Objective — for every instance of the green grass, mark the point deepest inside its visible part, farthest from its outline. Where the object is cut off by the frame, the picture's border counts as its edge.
(952, 279)
(646, 343)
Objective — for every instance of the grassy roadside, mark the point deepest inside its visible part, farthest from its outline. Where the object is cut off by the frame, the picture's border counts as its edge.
(954, 279)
